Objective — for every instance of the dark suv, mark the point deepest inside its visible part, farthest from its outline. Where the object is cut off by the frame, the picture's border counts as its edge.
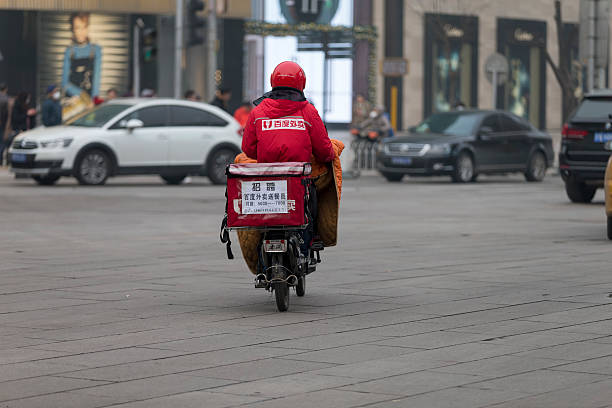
(583, 158)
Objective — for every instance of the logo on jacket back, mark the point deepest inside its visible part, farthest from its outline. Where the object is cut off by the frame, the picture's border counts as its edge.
(283, 124)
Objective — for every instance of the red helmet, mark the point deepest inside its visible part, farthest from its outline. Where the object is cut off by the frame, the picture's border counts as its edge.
(288, 74)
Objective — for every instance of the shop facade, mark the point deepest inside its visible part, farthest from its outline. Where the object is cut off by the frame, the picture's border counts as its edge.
(446, 43)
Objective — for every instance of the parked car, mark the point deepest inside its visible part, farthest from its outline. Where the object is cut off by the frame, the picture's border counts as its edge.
(464, 144)
(168, 137)
(582, 158)
(608, 190)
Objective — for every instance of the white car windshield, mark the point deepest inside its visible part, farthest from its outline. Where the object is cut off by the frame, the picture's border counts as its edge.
(97, 116)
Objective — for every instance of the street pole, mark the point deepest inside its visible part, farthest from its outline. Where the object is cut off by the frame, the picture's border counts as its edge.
(136, 82)
(591, 60)
(494, 88)
(178, 49)
(211, 39)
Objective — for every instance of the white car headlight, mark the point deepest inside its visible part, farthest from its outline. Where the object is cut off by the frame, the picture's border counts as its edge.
(55, 143)
(439, 149)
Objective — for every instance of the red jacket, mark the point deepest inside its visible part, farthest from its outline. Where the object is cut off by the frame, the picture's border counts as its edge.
(280, 130)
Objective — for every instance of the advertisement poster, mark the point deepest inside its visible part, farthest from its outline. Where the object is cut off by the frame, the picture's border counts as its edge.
(85, 54)
(451, 60)
(523, 42)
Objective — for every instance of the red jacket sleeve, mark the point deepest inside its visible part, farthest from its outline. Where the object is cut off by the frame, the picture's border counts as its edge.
(249, 138)
(321, 145)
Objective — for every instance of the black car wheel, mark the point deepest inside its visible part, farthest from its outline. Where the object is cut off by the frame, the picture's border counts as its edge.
(464, 168)
(46, 180)
(173, 179)
(610, 227)
(393, 177)
(217, 164)
(579, 192)
(93, 168)
(536, 167)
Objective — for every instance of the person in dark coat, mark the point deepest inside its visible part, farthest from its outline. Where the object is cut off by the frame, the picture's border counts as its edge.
(222, 98)
(4, 116)
(22, 116)
(51, 108)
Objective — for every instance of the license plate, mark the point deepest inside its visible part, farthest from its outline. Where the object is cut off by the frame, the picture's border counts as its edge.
(18, 158)
(406, 161)
(602, 137)
(275, 245)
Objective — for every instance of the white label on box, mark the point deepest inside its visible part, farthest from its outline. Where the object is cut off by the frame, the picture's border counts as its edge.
(264, 197)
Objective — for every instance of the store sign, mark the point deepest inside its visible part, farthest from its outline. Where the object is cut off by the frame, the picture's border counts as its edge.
(453, 32)
(522, 35)
(394, 66)
(309, 11)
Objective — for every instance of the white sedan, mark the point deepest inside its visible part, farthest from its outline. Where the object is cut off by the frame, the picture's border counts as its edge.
(168, 137)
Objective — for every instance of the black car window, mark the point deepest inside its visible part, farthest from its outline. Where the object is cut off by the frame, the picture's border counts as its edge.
(449, 123)
(512, 124)
(596, 108)
(186, 116)
(491, 121)
(152, 116)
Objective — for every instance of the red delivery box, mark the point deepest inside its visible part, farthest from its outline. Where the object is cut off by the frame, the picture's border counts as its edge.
(261, 195)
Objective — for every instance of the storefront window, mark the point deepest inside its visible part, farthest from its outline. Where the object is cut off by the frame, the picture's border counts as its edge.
(523, 42)
(451, 55)
(330, 93)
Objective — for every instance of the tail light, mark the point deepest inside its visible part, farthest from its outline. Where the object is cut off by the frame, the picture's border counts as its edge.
(573, 133)
(240, 132)
(372, 135)
(354, 132)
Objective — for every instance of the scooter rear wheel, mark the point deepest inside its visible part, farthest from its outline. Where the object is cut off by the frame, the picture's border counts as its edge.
(300, 288)
(281, 291)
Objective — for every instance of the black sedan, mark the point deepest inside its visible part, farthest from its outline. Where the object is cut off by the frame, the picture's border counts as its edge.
(464, 144)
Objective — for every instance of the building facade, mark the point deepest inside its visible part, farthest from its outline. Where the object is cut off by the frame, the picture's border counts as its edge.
(445, 44)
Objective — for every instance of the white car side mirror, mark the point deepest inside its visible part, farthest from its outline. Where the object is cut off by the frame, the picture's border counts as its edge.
(133, 124)
(608, 145)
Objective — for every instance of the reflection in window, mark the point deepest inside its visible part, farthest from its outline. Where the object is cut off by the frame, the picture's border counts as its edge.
(451, 61)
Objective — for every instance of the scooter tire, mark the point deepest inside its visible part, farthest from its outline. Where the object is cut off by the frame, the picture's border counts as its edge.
(300, 288)
(281, 292)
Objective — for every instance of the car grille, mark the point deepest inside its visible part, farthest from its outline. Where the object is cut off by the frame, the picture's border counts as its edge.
(409, 149)
(22, 144)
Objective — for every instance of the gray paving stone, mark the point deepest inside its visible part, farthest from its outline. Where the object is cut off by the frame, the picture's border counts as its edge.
(323, 399)
(601, 365)
(259, 369)
(135, 390)
(594, 395)
(538, 381)
(500, 366)
(413, 383)
(578, 351)
(12, 390)
(195, 399)
(129, 284)
(351, 354)
(456, 397)
(286, 385)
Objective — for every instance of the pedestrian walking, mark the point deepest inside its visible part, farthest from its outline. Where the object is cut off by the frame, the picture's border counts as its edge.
(23, 115)
(4, 117)
(51, 107)
(361, 111)
(222, 97)
(191, 95)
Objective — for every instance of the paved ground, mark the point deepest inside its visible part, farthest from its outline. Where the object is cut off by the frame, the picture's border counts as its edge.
(439, 295)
